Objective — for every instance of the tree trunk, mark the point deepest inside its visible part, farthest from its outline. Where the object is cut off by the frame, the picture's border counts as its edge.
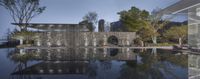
(21, 41)
(180, 41)
(154, 39)
(154, 51)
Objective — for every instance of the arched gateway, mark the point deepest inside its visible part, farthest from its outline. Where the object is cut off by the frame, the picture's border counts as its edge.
(113, 40)
(76, 35)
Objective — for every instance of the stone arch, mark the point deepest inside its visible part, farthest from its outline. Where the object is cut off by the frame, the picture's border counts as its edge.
(113, 40)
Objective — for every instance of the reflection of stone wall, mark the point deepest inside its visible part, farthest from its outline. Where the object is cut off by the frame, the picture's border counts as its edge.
(74, 39)
(81, 54)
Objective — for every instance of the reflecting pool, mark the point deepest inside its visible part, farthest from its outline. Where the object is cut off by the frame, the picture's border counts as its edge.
(93, 63)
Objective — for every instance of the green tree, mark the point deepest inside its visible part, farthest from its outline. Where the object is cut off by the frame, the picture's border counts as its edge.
(22, 35)
(133, 19)
(145, 34)
(88, 25)
(177, 32)
(91, 17)
(22, 11)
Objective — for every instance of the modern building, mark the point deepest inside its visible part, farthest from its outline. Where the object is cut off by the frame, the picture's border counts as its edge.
(191, 8)
(72, 35)
(117, 27)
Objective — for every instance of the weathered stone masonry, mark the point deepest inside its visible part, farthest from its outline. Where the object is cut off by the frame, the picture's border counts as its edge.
(75, 39)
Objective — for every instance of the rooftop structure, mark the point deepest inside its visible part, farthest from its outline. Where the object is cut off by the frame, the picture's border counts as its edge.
(54, 26)
(182, 6)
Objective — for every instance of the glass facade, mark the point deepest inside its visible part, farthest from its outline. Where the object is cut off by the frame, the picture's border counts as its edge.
(194, 27)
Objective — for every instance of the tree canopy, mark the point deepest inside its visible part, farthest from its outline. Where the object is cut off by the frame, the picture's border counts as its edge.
(177, 32)
(133, 19)
(91, 17)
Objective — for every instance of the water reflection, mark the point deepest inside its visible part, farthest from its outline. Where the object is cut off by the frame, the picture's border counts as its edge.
(194, 66)
(98, 63)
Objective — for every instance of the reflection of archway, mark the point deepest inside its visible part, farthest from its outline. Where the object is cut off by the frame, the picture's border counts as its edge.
(113, 40)
(114, 52)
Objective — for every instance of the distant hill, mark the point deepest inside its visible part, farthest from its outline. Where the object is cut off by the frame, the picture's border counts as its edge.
(171, 24)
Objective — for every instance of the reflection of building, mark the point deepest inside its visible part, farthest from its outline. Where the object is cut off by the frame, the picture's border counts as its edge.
(76, 62)
(192, 8)
(102, 64)
(80, 54)
(53, 67)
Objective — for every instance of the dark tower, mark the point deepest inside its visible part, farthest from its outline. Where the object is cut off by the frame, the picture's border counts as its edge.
(101, 25)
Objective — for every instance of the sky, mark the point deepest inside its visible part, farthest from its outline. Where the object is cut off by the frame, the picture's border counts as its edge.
(72, 11)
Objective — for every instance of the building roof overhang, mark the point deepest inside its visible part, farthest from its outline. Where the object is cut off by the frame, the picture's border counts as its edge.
(48, 26)
(181, 7)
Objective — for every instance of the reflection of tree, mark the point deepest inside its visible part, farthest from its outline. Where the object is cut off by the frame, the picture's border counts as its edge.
(140, 71)
(130, 70)
(181, 60)
(153, 66)
(21, 60)
(92, 69)
(16, 57)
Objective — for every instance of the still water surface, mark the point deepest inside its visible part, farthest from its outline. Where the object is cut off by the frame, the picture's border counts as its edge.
(92, 63)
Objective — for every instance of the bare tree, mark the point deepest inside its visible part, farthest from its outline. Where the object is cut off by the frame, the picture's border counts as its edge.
(107, 27)
(91, 17)
(156, 22)
(22, 11)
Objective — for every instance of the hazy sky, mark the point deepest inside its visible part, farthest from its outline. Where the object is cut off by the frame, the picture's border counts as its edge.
(72, 11)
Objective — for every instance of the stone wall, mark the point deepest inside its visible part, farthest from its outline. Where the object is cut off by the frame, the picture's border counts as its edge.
(75, 39)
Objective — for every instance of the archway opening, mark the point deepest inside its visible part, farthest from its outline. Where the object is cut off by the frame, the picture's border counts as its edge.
(113, 40)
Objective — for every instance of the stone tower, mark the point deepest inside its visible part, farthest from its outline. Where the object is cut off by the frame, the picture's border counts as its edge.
(101, 25)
